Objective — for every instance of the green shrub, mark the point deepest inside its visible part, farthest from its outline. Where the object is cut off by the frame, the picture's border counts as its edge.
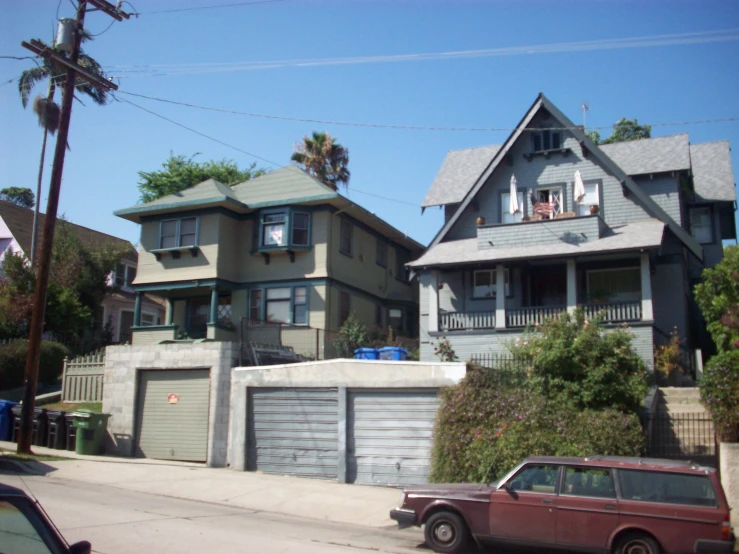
(13, 362)
(485, 427)
(353, 334)
(720, 394)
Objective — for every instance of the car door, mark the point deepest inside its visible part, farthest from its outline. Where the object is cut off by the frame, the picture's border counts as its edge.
(523, 510)
(587, 508)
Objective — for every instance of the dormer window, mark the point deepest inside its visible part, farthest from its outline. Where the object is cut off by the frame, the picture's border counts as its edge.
(546, 139)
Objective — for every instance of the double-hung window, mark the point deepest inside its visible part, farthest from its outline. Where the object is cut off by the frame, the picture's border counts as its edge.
(381, 253)
(273, 229)
(347, 237)
(505, 208)
(300, 306)
(177, 233)
(124, 275)
(280, 304)
(301, 222)
(284, 228)
(591, 198)
(700, 224)
(255, 305)
(484, 283)
(546, 139)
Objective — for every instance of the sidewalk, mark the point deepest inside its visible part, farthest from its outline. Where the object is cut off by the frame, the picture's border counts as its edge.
(309, 498)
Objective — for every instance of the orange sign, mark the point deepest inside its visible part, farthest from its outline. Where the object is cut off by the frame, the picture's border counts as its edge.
(173, 398)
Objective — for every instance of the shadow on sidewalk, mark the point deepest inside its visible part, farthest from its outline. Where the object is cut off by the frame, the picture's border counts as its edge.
(10, 466)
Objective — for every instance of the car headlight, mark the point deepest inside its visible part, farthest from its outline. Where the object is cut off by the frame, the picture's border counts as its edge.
(402, 498)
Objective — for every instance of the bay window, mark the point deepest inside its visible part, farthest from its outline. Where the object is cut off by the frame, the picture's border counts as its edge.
(177, 233)
(284, 228)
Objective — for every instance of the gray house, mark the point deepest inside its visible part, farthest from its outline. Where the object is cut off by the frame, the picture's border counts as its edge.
(622, 230)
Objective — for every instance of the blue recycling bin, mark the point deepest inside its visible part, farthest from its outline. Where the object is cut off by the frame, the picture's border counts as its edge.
(365, 354)
(6, 419)
(392, 353)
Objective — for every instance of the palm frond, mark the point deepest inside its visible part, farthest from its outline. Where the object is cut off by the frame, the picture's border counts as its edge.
(28, 79)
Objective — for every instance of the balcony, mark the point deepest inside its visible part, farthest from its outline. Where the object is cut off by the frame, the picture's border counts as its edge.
(613, 312)
(571, 230)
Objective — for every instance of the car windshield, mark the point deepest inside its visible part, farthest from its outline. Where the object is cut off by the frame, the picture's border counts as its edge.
(17, 534)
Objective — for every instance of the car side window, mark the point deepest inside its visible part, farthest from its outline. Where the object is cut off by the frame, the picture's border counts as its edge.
(589, 481)
(539, 478)
(669, 488)
(18, 535)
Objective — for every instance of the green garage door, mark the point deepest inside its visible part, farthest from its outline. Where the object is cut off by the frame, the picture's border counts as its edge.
(172, 414)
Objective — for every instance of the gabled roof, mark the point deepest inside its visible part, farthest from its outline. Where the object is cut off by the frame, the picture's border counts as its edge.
(458, 171)
(543, 102)
(20, 223)
(646, 233)
(713, 175)
(653, 155)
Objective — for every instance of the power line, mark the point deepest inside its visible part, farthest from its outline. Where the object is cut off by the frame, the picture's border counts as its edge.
(404, 127)
(698, 37)
(105, 31)
(205, 7)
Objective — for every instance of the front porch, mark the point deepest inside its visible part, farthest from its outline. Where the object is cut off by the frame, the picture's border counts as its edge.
(616, 290)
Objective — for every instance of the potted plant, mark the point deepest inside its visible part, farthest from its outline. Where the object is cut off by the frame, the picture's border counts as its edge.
(480, 221)
(594, 209)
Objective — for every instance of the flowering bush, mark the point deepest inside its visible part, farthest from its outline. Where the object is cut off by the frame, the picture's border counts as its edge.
(720, 394)
(485, 427)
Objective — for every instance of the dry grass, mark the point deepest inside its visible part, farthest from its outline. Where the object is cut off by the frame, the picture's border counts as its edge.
(74, 406)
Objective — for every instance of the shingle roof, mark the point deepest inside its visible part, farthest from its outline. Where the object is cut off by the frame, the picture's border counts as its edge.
(20, 223)
(457, 174)
(282, 186)
(640, 234)
(713, 175)
(655, 155)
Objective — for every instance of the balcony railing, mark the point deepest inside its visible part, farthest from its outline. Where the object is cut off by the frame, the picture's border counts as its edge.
(523, 317)
(614, 311)
(458, 321)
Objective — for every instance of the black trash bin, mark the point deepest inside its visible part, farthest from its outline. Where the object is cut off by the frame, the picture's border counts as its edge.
(71, 434)
(56, 430)
(39, 427)
(16, 410)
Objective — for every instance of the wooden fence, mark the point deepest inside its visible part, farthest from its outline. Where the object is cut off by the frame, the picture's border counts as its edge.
(82, 380)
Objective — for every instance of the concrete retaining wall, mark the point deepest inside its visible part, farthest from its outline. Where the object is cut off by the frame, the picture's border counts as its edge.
(340, 373)
(122, 364)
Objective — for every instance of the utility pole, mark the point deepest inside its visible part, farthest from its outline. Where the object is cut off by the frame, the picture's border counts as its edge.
(42, 274)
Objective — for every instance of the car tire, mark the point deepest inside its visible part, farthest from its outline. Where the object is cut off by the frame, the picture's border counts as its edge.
(637, 543)
(446, 532)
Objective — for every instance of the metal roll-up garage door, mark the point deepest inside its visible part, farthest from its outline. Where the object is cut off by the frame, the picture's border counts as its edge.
(390, 436)
(172, 414)
(293, 431)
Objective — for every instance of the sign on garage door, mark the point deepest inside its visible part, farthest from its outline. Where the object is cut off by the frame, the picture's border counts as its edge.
(390, 435)
(172, 414)
(293, 431)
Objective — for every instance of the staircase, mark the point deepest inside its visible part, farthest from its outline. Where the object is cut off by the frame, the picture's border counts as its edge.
(681, 428)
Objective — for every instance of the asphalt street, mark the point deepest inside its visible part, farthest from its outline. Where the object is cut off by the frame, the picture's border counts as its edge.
(123, 521)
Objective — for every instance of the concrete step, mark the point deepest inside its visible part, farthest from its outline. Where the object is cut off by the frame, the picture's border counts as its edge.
(680, 392)
(682, 409)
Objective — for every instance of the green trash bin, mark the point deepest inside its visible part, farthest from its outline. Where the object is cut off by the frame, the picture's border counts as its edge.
(90, 431)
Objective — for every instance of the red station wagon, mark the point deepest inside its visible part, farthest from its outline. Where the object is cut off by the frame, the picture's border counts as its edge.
(602, 504)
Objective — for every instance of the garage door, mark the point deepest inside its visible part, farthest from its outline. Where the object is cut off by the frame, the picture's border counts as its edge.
(390, 436)
(172, 414)
(293, 432)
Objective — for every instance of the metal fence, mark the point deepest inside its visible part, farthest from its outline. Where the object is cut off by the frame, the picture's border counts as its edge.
(270, 342)
(682, 436)
(82, 380)
(505, 369)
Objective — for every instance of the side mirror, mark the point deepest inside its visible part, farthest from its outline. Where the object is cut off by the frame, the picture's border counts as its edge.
(82, 547)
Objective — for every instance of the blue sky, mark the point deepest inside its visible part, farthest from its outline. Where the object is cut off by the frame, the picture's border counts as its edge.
(200, 56)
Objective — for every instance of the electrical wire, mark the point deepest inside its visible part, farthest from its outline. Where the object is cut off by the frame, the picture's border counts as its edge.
(105, 31)
(235, 4)
(407, 127)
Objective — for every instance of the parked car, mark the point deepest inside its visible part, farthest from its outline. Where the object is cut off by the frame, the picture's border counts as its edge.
(597, 504)
(25, 528)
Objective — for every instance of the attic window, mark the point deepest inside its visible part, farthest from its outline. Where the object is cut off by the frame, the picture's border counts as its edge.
(546, 139)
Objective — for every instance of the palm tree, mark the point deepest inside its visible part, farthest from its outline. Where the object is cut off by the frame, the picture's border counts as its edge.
(323, 158)
(48, 111)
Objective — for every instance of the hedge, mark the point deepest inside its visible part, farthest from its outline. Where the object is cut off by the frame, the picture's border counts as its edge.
(13, 362)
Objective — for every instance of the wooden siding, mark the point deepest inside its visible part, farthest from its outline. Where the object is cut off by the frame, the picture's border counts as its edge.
(390, 436)
(665, 191)
(173, 431)
(293, 432)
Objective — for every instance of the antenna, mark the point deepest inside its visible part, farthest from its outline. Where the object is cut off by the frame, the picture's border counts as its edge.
(585, 107)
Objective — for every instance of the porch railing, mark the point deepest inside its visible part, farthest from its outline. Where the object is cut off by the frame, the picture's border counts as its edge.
(523, 317)
(458, 321)
(612, 312)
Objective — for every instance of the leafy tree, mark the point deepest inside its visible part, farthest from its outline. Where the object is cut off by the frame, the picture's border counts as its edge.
(718, 298)
(623, 131)
(323, 158)
(575, 362)
(180, 173)
(720, 394)
(353, 334)
(19, 196)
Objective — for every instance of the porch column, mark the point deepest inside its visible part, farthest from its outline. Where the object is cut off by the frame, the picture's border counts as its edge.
(571, 286)
(213, 305)
(647, 314)
(500, 297)
(137, 310)
(433, 292)
(170, 311)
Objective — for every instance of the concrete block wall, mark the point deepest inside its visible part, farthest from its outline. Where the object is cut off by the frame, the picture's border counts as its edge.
(122, 365)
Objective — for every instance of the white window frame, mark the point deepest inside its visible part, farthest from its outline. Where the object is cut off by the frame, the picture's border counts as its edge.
(493, 278)
(584, 204)
(178, 233)
(263, 230)
(693, 227)
(506, 216)
(550, 190)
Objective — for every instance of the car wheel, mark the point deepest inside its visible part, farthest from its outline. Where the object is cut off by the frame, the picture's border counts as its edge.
(637, 543)
(446, 532)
